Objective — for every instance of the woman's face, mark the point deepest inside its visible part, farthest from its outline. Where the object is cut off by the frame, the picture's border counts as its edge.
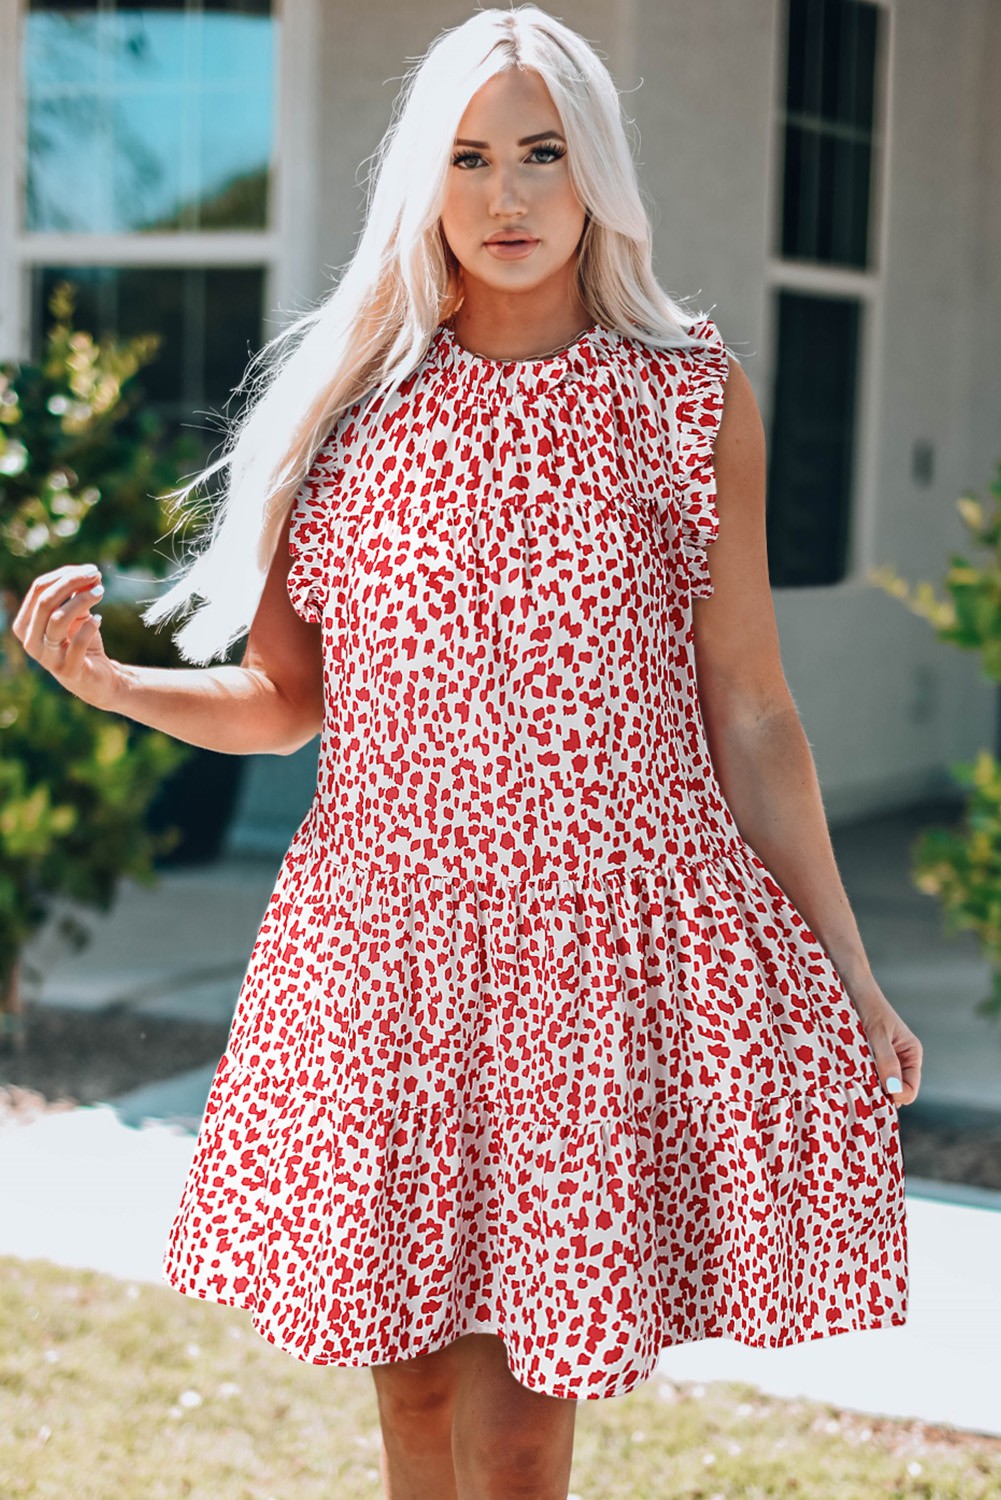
(500, 180)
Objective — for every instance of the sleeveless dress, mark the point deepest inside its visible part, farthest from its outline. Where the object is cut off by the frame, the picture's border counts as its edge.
(530, 1041)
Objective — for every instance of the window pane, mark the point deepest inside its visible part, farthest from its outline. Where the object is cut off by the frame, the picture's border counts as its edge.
(150, 117)
(830, 82)
(850, 167)
(831, 50)
(801, 54)
(812, 439)
(825, 199)
(799, 192)
(209, 319)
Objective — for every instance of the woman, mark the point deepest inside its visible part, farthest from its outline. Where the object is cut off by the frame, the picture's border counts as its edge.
(537, 1068)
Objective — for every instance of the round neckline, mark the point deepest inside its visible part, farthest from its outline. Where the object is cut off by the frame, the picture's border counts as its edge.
(486, 381)
(533, 361)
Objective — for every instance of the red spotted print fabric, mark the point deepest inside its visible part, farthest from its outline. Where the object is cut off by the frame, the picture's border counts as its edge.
(530, 1041)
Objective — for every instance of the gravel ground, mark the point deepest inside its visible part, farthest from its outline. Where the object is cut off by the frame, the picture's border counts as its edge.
(75, 1057)
(952, 1145)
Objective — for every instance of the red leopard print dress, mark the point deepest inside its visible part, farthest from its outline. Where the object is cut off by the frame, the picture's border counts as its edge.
(530, 1041)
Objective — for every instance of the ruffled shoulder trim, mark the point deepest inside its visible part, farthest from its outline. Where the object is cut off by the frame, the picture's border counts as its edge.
(308, 580)
(698, 411)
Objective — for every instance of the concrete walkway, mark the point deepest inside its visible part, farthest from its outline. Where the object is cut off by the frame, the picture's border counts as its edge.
(84, 1189)
(98, 1186)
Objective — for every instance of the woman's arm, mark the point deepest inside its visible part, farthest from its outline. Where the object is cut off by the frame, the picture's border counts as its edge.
(272, 703)
(758, 747)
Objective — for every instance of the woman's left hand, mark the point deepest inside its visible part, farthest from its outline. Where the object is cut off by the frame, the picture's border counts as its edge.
(896, 1050)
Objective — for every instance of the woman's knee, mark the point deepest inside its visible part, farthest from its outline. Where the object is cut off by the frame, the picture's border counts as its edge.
(536, 1468)
(509, 1440)
(416, 1393)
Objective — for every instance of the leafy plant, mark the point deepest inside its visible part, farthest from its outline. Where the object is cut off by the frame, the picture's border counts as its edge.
(80, 454)
(962, 866)
(74, 787)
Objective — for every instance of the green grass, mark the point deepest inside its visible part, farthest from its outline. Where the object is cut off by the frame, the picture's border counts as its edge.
(111, 1390)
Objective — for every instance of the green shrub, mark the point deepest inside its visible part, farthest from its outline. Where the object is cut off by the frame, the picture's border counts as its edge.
(962, 866)
(83, 464)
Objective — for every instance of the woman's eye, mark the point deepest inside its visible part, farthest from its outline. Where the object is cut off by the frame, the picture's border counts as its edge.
(553, 151)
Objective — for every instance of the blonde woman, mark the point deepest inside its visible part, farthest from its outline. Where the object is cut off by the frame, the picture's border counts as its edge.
(558, 1044)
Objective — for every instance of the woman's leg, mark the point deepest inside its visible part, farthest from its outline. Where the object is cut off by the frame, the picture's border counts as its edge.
(456, 1425)
(508, 1443)
(416, 1398)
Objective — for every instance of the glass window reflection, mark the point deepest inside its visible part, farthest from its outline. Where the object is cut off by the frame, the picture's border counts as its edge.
(148, 118)
(209, 319)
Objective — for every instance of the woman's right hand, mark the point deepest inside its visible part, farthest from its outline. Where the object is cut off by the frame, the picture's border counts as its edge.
(56, 629)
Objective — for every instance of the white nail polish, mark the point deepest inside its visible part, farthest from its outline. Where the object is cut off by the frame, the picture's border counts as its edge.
(894, 1085)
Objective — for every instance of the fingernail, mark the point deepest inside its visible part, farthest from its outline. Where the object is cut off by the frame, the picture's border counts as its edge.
(894, 1085)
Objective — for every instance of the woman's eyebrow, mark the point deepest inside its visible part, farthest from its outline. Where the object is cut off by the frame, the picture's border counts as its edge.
(543, 135)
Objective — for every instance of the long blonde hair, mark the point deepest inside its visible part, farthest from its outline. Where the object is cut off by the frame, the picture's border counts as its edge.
(402, 281)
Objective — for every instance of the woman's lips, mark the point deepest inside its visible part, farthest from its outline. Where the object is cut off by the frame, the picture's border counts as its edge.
(510, 249)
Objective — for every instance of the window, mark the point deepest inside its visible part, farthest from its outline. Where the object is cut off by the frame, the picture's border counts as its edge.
(823, 282)
(148, 137)
(813, 438)
(829, 112)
